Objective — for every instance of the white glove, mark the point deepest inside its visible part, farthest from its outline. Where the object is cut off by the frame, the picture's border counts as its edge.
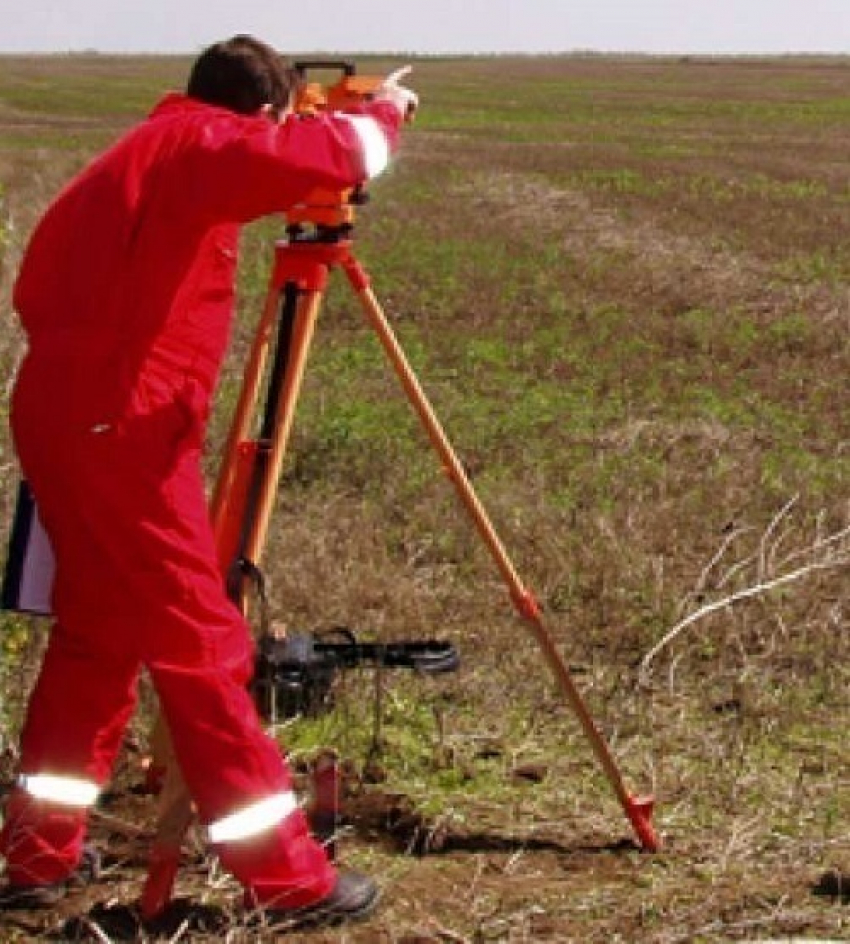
(405, 100)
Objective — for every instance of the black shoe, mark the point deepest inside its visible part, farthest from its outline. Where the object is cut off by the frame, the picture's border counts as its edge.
(353, 898)
(48, 896)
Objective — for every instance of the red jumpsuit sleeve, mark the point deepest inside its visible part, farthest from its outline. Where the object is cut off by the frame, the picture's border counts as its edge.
(256, 167)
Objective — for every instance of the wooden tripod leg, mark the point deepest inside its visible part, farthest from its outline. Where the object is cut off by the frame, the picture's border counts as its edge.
(246, 405)
(230, 503)
(638, 810)
(303, 328)
(175, 810)
(175, 814)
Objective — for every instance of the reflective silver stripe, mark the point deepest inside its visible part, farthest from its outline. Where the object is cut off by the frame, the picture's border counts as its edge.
(376, 150)
(66, 790)
(253, 819)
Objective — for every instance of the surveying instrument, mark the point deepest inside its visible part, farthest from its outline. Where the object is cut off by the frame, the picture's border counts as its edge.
(319, 241)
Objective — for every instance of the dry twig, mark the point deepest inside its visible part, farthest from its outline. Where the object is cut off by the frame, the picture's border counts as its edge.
(832, 553)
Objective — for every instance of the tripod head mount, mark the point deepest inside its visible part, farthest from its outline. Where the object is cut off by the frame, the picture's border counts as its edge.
(331, 212)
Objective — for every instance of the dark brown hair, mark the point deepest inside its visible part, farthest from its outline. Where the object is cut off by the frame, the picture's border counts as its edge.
(242, 74)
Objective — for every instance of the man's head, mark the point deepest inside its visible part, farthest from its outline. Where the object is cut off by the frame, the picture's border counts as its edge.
(244, 75)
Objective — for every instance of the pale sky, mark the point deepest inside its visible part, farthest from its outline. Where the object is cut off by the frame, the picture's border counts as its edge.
(430, 26)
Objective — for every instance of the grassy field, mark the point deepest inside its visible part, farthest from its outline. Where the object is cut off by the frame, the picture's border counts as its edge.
(623, 284)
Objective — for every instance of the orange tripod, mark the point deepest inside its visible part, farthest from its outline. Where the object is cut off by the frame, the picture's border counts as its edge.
(244, 495)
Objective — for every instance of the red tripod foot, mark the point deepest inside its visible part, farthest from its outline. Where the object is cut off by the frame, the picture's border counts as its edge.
(162, 873)
(639, 811)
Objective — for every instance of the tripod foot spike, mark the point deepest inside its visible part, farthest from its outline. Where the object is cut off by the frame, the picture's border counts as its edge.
(162, 873)
(639, 811)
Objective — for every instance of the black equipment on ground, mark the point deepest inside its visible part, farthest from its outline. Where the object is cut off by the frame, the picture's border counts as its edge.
(294, 674)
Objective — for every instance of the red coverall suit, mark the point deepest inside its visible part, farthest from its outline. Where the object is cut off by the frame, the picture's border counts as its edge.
(126, 294)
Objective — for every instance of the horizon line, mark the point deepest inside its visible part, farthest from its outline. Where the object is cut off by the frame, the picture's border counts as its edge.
(455, 54)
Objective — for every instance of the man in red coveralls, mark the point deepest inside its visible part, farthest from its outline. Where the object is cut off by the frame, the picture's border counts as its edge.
(126, 295)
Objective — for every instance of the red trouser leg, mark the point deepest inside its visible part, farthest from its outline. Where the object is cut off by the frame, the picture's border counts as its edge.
(137, 580)
(43, 841)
